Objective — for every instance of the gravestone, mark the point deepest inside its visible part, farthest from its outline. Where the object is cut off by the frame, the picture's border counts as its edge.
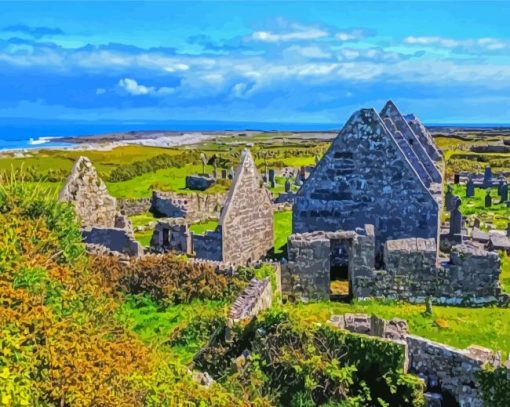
(223, 173)
(476, 223)
(232, 173)
(488, 199)
(287, 185)
(271, 177)
(503, 192)
(470, 188)
(487, 177)
(448, 199)
(508, 229)
(456, 178)
(456, 217)
(302, 174)
(215, 171)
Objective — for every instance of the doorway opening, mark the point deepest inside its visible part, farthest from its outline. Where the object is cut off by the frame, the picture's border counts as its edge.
(339, 282)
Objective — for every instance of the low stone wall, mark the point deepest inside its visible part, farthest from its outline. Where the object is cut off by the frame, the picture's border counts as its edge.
(254, 299)
(113, 239)
(132, 207)
(170, 236)
(448, 372)
(194, 207)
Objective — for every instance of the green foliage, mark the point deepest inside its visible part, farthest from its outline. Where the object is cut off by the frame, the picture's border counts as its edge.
(495, 386)
(320, 365)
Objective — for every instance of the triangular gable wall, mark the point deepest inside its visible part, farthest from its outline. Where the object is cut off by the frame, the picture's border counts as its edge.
(424, 137)
(391, 112)
(366, 178)
(247, 217)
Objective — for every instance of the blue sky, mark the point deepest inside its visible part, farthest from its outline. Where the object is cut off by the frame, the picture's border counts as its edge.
(309, 62)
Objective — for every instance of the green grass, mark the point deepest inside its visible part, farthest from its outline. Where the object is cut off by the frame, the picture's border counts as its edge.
(154, 324)
(498, 214)
(144, 237)
(201, 228)
(282, 229)
(460, 327)
(142, 219)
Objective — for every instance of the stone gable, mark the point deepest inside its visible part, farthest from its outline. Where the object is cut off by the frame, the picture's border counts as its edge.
(246, 220)
(93, 204)
(366, 178)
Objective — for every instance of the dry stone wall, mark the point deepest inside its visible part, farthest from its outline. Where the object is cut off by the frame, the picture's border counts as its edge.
(134, 206)
(194, 207)
(247, 218)
(254, 299)
(366, 178)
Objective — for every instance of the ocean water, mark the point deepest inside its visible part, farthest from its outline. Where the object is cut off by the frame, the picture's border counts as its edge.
(16, 134)
(23, 133)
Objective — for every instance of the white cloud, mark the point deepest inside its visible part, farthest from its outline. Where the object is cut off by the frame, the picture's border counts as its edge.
(100, 91)
(132, 87)
(311, 52)
(486, 43)
(297, 33)
(351, 35)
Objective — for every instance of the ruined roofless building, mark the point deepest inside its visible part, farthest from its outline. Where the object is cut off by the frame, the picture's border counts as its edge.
(246, 219)
(382, 169)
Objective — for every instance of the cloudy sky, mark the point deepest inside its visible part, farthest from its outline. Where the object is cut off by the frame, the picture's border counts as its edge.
(293, 62)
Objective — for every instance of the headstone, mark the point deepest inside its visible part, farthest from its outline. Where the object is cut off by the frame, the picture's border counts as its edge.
(456, 217)
(302, 174)
(508, 229)
(223, 173)
(503, 192)
(448, 199)
(215, 171)
(487, 177)
(287, 185)
(232, 173)
(470, 188)
(488, 199)
(271, 177)
(456, 178)
(476, 223)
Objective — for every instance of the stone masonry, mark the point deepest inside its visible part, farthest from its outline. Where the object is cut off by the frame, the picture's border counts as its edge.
(246, 220)
(102, 224)
(447, 371)
(255, 298)
(87, 192)
(194, 207)
(410, 270)
(375, 172)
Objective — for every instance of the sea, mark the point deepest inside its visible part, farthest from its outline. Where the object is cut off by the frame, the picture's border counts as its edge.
(26, 133)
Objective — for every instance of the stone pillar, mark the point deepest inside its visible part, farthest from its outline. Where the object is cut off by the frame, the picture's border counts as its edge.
(470, 188)
(271, 177)
(488, 199)
(456, 217)
(487, 176)
(503, 192)
(508, 229)
(362, 263)
(456, 178)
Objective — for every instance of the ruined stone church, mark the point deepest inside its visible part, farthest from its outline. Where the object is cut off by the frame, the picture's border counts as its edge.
(382, 169)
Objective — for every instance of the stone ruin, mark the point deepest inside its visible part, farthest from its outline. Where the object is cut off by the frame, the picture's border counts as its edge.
(448, 372)
(255, 298)
(102, 224)
(382, 169)
(410, 269)
(245, 231)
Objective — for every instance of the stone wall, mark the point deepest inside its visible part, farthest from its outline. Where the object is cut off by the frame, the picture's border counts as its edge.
(470, 278)
(307, 273)
(367, 178)
(194, 207)
(132, 207)
(114, 239)
(168, 235)
(247, 218)
(448, 372)
(208, 246)
(87, 192)
(254, 299)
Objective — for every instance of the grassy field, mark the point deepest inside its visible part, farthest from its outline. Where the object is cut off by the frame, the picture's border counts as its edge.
(455, 326)
(155, 324)
(282, 229)
(201, 228)
(498, 214)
